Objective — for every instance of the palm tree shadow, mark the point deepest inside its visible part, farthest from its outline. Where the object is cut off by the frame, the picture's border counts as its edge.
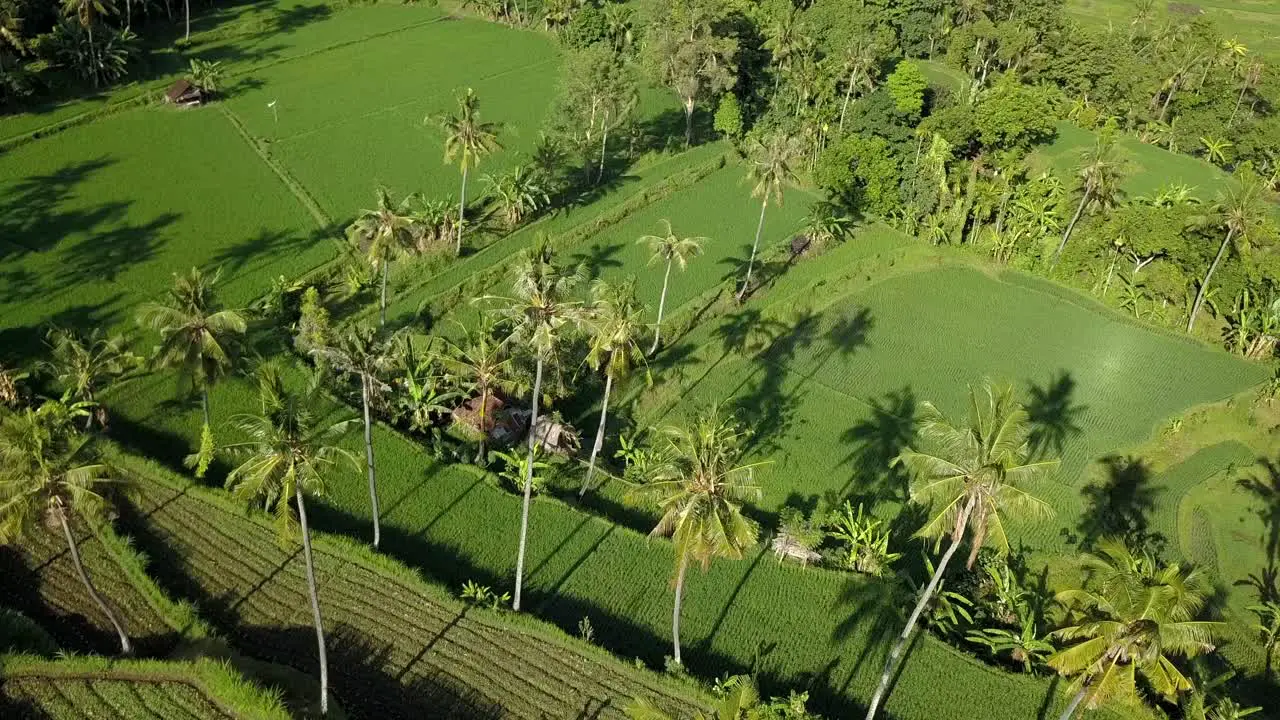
(596, 258)
(875, 441)
(1054, 416)
(874, 610)
(1266, 490)
(1121, 504)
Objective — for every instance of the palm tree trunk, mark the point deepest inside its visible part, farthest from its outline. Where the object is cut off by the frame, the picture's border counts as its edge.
(1173, 88)
(125, 647)
(751, 263)
(204, 403)
(956, 538)
(128, 13)
(187, 10)
(93, 56)
(1236, 109)
(1204, 286)
(675, 612)
(462, 208)
(484, 427)
(315, 600)
(528, 487)
(1075, 703)
(604, 414)
(662, 304)
(1057, 254)
(688, 123)
(848, 91)
(604, 140)
(382, 318)
(368, 457)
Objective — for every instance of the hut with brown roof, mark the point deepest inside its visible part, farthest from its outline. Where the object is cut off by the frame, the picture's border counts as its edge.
(184, 94)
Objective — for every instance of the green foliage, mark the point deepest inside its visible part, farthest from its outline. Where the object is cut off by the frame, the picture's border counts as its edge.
(206, 74)
(864, 540)
(477, 594)
(728, 120)
(588, 26)
(1013, 117)
(863, 172)
(207, 448)
(906, 85)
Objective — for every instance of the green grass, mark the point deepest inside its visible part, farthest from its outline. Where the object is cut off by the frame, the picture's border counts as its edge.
(130, 690)
(245, 37)
(1147, 168)
(395, 642)
(1254, 22)
(842, 370)
(97, 219)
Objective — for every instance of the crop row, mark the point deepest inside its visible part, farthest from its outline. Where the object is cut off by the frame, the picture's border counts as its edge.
(41, 582)
(382, 626)
(130, 690)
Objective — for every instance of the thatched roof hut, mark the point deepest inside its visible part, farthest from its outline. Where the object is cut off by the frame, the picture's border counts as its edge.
(785, 546)
(184, 93)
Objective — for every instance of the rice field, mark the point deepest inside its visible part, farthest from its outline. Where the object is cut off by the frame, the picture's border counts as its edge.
(1255, 22)
(40, 581)
(1147, 168)
(76, 688)
(396, 644)
(849, 372)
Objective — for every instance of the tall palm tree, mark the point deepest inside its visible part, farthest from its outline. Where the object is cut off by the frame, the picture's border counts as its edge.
(615, 326)
(288, 456)
(85, 366)
(669, 249)
(195, 334)
(1241, 211)
(771, 170)
(87, 12)
(49, 472)
(699, 485)
(366, 355)
(384, 233)
(538, 314)
(1100, 173)
(468, 139)
(971, 481)
(480, 366)
(1131, 616)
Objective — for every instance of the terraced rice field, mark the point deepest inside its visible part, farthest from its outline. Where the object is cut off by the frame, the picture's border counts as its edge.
(398, 646)
(133, 690)
(40, 581)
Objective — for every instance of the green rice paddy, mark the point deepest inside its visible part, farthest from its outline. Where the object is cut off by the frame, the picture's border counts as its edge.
(828, 361)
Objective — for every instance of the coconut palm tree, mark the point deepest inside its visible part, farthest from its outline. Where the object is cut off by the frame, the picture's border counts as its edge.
(87, 13)
(1100, 173)
(479, 367)
(366, 355)
(771, 169)
(699, 485)
(970, 482)
(384, 233)
(669, 249)
(195, 334)
(1241, 211)
(1132, 616)
(85, 366)
(615, 325)
(538, 315)
(49, 472)
(288, 456)
(468, 139)
(11, 391)
(1268, 629)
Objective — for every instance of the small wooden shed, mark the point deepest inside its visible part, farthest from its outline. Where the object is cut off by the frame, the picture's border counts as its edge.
(184, 94)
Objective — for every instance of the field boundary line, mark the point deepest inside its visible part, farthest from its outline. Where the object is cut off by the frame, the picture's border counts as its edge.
(299, 192)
